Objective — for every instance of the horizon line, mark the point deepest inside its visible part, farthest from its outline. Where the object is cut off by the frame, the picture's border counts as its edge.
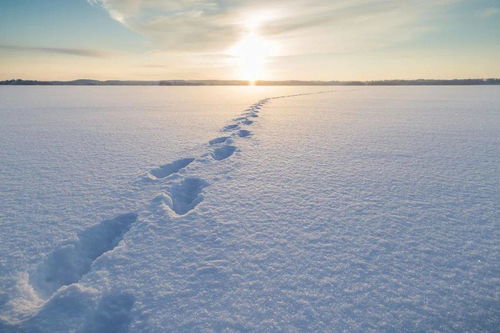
(235, 82)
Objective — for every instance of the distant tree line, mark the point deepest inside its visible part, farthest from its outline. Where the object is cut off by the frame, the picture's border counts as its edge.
(420, 82)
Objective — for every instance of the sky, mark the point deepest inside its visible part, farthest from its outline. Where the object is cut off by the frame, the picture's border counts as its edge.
(249, 40)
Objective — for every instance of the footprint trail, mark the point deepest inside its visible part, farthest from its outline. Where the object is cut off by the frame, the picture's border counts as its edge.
(69, 262)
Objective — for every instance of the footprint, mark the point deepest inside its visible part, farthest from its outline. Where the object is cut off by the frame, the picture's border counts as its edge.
(186, 195)
(218, 140)
(223, 152)
(70, 261)
(230, 127)
(113, 314)
(247, 122)
(170, 168)
(244, 133)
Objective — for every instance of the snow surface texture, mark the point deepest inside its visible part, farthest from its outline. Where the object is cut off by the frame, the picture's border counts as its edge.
(359, 209)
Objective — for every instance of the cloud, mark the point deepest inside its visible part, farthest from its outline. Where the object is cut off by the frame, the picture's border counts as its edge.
(488, 12)
(299, 26)
(188, 25)
(55, 50)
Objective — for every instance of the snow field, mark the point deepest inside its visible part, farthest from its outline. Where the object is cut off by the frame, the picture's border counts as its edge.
(356, 210)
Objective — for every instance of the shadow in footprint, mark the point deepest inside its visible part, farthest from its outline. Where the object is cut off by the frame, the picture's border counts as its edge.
(247, 122)
(170, 168)
(62, 312)
(185, 195)
(218, 140)
(70, 261)
(230, 127)
(113, 314)
(7, 328)
(244, 133)
(223, 152)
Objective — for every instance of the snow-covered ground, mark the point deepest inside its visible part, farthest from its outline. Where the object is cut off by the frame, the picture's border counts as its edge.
(154, 209)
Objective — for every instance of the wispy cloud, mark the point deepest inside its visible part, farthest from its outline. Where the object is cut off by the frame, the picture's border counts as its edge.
(489, 12)
(301, 25)
(55, 50)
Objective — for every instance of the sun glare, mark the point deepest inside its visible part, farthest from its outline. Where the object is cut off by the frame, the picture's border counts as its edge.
(252, 53)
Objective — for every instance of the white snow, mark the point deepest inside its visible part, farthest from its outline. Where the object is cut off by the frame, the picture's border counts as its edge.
(154, 209)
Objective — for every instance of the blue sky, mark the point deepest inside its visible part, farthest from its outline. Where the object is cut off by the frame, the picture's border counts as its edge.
(63, 23)
(256, 39)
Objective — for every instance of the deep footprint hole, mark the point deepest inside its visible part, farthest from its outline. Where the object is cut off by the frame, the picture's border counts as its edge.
(72, 260)
(186, 195)
(223, 152)
(171, 168)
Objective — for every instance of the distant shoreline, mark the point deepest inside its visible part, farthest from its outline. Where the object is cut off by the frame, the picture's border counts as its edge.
(420, 82)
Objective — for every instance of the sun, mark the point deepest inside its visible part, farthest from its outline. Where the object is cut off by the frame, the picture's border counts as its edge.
(252, 54)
